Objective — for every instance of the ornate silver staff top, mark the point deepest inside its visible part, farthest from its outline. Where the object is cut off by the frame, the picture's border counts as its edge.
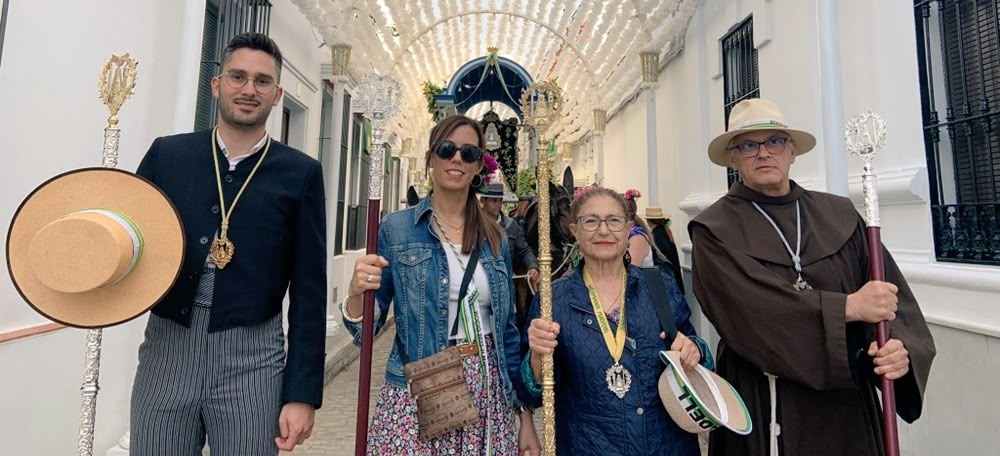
(865, 136)
(378, 97)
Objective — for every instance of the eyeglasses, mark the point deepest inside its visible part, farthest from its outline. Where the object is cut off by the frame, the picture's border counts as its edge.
(470, 153)
(238, 79)
(615, 223)
(750, 149)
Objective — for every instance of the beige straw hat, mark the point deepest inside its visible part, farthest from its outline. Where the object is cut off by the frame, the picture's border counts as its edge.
(94, 247)
(756, 114)
(698, 400)
(655, 213)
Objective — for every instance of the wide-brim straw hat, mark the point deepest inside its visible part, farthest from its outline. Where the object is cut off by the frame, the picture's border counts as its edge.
(95, 247)
(655, 213)
(752, 115)
(698, 400)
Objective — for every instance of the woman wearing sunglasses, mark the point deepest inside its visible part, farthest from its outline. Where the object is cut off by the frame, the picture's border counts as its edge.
(605, 338)
(424, 252)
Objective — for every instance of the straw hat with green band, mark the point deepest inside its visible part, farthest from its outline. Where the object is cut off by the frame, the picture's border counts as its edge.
(751, 115)
(94, 247)
(698, 400)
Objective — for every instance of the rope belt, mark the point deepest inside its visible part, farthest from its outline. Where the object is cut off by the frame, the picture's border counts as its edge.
(772, 385)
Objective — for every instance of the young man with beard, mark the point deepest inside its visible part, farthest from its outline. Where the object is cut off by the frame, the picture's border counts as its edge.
(213, 363)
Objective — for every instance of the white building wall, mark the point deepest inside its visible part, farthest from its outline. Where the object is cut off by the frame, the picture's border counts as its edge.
(54, 121)
(879, 72)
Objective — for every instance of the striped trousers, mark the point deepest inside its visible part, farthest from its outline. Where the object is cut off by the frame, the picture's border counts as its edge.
(191, 385)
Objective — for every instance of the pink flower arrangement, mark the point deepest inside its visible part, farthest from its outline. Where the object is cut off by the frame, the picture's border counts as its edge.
(582, 190)
(632, 194)
(490, 168)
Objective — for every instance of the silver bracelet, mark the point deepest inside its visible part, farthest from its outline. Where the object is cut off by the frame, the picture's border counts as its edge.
(348, 318)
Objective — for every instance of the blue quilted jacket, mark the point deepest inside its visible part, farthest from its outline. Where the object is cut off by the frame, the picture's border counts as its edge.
(590, 419)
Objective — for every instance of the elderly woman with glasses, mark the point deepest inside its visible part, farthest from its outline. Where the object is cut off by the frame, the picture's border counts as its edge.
(605, 338)
(424, 252)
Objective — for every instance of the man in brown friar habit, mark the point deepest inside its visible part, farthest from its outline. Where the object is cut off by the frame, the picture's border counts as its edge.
(782, 273)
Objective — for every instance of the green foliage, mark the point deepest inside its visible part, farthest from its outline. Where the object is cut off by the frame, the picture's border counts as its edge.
(430, 90)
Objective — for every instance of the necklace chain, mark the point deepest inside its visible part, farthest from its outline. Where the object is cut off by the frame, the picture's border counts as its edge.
(799, 284)
(226, 214)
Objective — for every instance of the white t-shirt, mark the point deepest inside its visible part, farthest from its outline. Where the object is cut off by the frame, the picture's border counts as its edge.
(456, 273)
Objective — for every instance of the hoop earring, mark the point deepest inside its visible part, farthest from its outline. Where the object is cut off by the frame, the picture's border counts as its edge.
(477, 183)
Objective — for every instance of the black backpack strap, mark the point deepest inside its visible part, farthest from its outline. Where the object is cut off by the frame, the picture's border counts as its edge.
(661, 302)
(470, 268)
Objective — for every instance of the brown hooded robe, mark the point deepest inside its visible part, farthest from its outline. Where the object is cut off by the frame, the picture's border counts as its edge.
(826, 387)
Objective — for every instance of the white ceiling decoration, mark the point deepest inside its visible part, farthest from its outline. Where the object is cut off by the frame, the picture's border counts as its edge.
(592, 47)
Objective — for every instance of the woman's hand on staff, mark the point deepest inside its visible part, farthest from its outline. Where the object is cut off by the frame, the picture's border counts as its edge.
(542, 341)
(690, 353)
(367, 276)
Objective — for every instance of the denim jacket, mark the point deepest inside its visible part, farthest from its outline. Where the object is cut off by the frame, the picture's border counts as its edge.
(592, 420)
(416, 283)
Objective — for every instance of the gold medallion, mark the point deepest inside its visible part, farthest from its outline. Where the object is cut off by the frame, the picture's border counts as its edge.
(221, 252)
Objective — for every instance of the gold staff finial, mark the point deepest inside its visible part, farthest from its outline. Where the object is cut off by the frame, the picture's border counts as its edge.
(115, 83)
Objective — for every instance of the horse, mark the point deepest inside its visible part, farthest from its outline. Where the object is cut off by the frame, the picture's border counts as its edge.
(560, 199)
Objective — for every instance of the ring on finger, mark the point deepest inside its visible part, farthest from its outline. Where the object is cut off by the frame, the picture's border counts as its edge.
(370, 277)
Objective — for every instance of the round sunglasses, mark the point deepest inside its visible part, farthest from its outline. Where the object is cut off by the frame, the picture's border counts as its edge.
(470, 153)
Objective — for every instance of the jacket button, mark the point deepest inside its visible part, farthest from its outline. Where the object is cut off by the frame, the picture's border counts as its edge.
(639, 411)
(413, 259)
(590, 322)
(215, 209)
(444, 313)
(229, 178)
(184, 311)
(444, 281)
(203, 240)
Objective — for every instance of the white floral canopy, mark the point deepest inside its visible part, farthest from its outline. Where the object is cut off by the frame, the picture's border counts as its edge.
(592, 46)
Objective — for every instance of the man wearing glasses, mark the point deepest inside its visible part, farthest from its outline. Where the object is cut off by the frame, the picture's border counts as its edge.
(782, 273)
(213, 364)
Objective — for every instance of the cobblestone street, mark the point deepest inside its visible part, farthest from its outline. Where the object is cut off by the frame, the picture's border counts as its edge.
(333, 433)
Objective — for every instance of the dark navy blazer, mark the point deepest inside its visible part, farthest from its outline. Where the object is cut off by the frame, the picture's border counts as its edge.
(278, 229)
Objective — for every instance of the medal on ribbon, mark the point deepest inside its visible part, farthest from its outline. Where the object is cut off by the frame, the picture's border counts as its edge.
(619, 379)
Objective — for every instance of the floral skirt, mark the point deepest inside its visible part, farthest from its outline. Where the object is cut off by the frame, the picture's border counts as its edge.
(394, 432)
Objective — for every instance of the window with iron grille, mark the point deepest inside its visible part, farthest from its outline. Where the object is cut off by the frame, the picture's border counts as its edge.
(224, 19)
(958, 51)
(357, 213)
(739, 74)
(345, 157)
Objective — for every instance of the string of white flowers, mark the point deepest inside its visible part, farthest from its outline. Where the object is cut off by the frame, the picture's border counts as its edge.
(386, 35)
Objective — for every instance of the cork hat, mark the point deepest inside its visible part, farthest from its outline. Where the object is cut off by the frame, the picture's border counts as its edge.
(94, 247)
(698, 400)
